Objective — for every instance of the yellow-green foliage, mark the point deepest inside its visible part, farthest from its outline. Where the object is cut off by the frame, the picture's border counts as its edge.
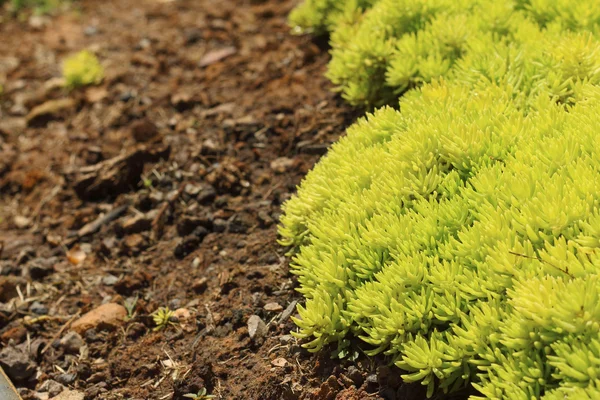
(322, 15)
(382, 48)
(461, 234)
(82, 69)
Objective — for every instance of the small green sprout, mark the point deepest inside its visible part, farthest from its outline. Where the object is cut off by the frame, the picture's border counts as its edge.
(130, 305)
(201, 395)
(164, 317)
(82, 69)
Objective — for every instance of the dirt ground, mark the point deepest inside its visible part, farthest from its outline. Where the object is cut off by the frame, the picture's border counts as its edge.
(162, 187)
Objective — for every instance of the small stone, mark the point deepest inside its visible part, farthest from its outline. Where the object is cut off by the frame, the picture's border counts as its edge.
(134, 242)
(17, 364)
(126, 96)
(187, 225)
(239, 223)
(90, 30)
(286, 339)
(94, 95)
(192, 190)
(21, 222)
(186, 246)
(282, 164)
(107, 316)
(265, 219)
(219, 225)
(38, 22)
(256, 327)
(72, 342)
(53, 240)
(206, 195)
(67, 378)
(38, 308)
(279, 362)
(209, 147)
(109, 280)
(52, 387)
(273, 307)
(354, 375)
(135, 330)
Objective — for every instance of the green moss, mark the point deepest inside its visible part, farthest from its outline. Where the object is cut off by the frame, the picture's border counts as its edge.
(459, 235)
(82, 69)
(38, 6)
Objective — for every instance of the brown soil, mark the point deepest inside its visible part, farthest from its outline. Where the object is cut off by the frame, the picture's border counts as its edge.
(208, 117)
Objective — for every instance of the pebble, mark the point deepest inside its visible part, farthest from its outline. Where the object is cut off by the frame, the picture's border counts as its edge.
(265, 219)
(256, 327)
(107, 316)
(186, 246)
(282, 164)
(38, 308)
(90, 30)
(354, 375)
(206, 195)
(187, 225)
(16, 363)
(219, 225)
(72, 342)
(52, 387)
(279, 362)
(286, 339)
(21, 222)
(109, 280)
(274, 307)
(67, 378)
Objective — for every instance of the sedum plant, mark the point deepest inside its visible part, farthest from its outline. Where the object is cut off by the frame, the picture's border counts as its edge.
(460, 235)
(82, 69)
(381, 48)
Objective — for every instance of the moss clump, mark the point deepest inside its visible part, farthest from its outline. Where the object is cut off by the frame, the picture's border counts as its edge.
(38, 6)
(82, 69)
(460, 236)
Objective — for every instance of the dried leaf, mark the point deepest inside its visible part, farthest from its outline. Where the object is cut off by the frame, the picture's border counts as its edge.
(216, 55)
